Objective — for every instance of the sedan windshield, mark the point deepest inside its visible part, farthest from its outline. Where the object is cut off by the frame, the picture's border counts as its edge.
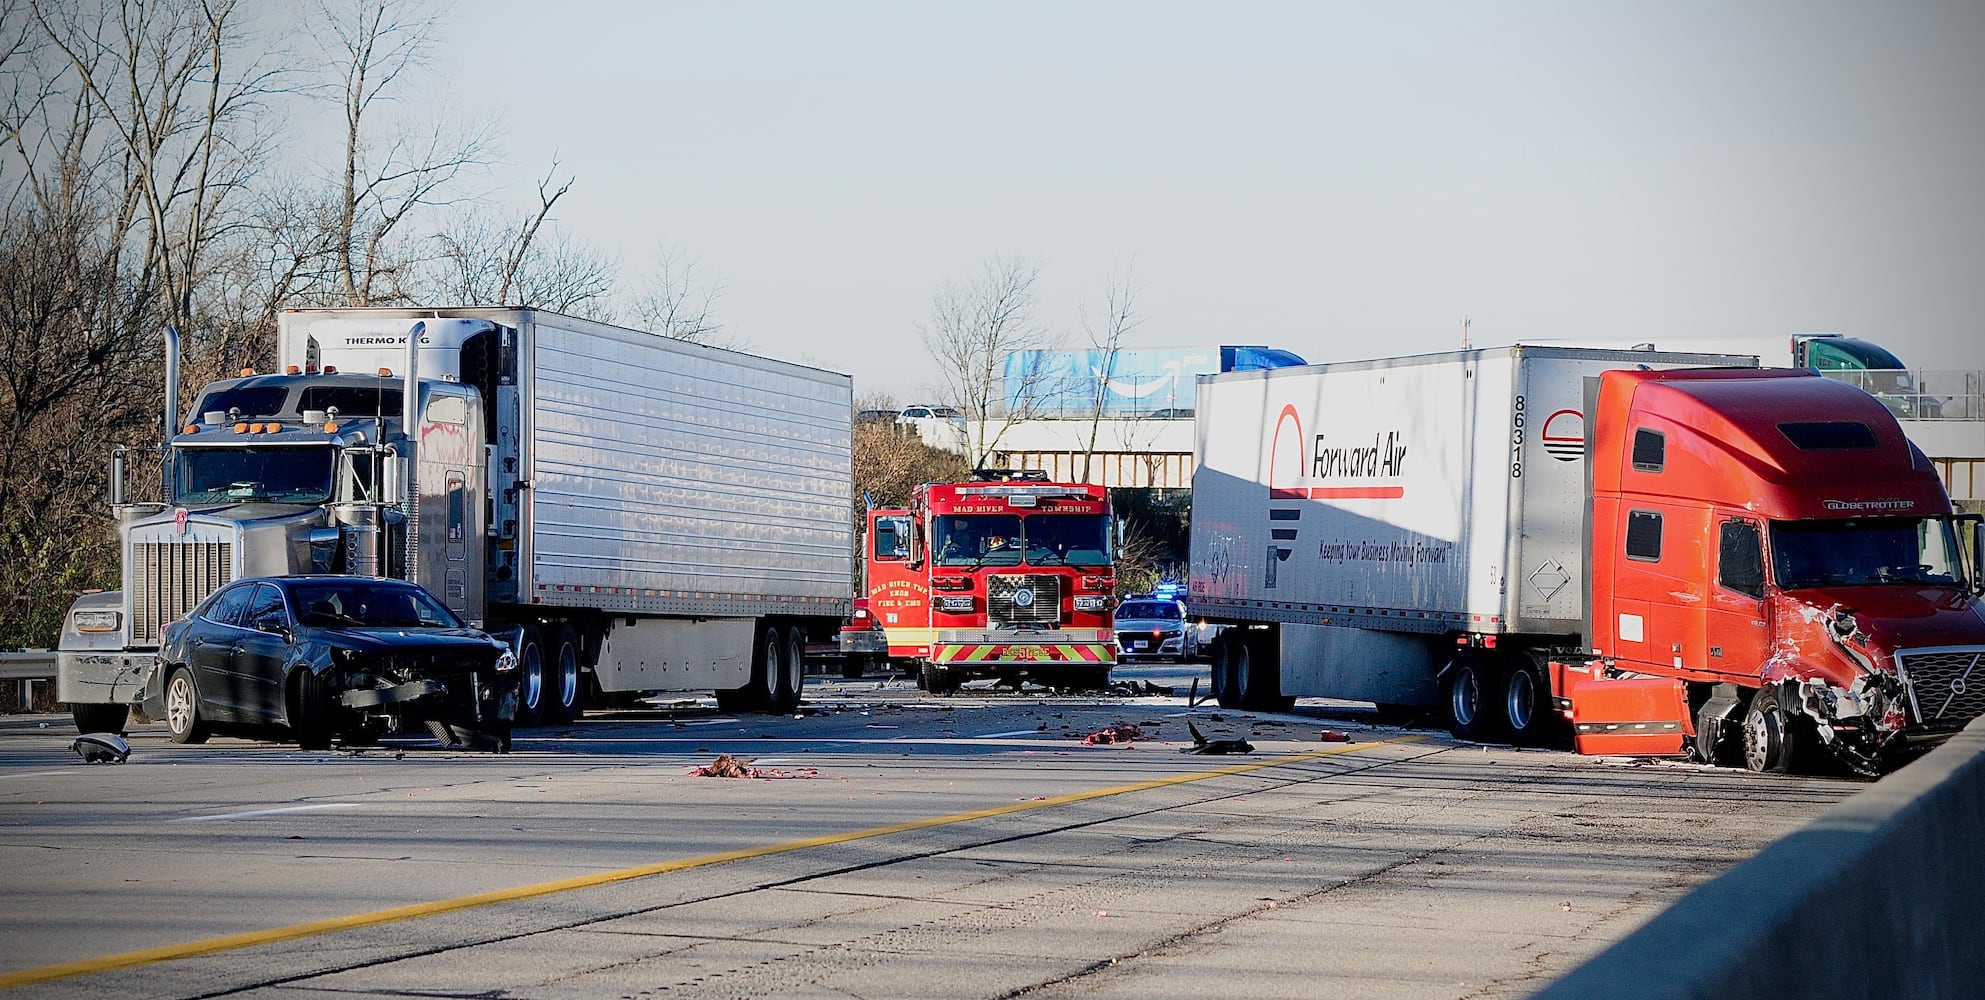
(1150, 610)
(363, 604)
(1912, 551)
(244, 475)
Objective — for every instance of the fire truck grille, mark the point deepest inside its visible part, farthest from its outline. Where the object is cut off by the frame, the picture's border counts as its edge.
(1033, 601)
(168, 579)
(1948, 684)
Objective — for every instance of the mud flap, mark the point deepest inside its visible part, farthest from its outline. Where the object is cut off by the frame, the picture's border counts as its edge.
(1633, 716)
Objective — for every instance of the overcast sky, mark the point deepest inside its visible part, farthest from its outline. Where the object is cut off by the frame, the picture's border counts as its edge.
(1341, 180)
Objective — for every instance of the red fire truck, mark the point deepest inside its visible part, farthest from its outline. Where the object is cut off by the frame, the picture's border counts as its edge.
(1008, 575)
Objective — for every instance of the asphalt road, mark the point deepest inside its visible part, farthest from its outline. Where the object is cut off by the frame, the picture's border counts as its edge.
(900, 846)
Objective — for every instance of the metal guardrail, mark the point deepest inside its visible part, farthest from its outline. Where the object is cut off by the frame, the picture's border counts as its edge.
(32, 665)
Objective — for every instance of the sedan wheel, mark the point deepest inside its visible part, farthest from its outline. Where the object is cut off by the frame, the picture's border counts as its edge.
(182, 709)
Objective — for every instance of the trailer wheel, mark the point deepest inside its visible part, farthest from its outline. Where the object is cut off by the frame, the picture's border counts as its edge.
(562, 687)
(1774, 740)
(1255, 674)
(1464, 697)
(1222, 659)
(310, 711)
(530, 677)
(791, 679)
(1526, 703)
(101, 718)
(182, 709)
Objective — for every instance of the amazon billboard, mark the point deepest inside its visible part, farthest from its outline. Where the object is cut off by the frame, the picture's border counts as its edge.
(1132, 383)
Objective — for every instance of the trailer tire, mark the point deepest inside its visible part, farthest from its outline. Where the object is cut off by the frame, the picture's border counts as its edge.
(1525, 702)
(791, 680)
(100, 718)
(310, 712)
(530, 677)
(1222, 683)
(182, 708)
(564, 690)
(1255, 671)
(1464, 698)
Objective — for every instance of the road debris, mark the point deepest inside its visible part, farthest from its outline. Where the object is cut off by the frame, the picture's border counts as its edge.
(1118, 732)
(1334, 736)
(1200, 744)
(727, 766)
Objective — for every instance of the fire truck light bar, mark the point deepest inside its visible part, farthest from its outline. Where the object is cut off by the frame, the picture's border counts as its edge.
(1014, 492)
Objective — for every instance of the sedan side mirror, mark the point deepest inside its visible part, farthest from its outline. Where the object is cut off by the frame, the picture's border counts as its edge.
(272, 621)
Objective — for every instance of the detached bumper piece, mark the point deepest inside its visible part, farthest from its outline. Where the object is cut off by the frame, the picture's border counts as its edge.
(363, 698)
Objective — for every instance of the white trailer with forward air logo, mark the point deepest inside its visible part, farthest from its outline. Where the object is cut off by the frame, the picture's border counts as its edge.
(1355, 523)
(635, 514)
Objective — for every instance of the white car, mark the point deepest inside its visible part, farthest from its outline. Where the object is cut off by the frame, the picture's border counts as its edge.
(1153, 628)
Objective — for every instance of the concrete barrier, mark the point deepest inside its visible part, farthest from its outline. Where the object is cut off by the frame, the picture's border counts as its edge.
(1883, 897)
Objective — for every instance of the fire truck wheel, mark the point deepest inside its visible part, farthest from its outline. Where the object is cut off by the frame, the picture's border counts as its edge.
(940, 679)
(791, 672)
(100, 718)
(1464, 697)
(530, 678)
(853, 666)
(182, 708)
(562, 687)
(1526, 702)
(309, 713)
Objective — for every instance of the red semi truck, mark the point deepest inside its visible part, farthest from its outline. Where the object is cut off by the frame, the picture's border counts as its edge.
(1007, 576)
(1751, 566)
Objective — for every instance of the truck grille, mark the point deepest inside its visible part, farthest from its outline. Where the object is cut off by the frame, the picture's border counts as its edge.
(168, 579)
(1946, 686)
(1033, 601)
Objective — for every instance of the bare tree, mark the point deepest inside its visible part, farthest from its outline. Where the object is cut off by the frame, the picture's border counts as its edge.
(389, 174)
(559, 274)
(1106, 338)
(674, 302)
(973, 328)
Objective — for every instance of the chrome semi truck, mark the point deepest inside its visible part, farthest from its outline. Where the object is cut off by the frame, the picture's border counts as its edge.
(632, 514)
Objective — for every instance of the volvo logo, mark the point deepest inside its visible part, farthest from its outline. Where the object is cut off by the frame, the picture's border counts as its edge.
(1957, 687)
(1023, 598)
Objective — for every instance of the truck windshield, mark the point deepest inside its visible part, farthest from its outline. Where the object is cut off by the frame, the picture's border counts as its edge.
(244, 475)
(1912, 551)
(1068, 539)
(1040, 539)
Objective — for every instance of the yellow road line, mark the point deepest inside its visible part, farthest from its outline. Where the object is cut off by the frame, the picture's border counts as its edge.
(250, 939)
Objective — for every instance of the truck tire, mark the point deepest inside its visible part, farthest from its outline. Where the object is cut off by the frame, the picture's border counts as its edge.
(853, 666)
(101, 718)
(1221, 657)
(564, 687)
(792, 671)
(1465, 697)
(1256, 671)
(182, 708)
(1525, 702)
(1774, 740)
(310, 712)
(530, 677)
(939, 679)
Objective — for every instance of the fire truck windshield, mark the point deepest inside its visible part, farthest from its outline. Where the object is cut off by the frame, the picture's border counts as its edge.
(247, 475)
(1041, 539)
(1865, 551)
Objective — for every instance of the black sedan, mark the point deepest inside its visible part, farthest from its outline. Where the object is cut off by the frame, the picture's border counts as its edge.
(324, 656)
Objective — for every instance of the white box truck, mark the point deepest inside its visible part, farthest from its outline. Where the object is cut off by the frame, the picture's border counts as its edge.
(633, 514)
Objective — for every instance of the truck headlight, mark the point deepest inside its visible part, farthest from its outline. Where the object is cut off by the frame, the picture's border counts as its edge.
(506, 661)
(1097, 603)
(97, 621)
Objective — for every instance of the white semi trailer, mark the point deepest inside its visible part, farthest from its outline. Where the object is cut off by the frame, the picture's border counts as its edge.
(634, 514)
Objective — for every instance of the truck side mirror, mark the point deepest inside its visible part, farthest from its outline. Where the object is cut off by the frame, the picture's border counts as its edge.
(1977, 553)
(392, 480)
